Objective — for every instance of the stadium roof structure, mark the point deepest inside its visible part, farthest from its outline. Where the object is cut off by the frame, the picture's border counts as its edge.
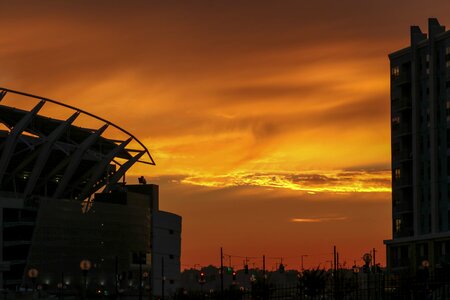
(43, 156)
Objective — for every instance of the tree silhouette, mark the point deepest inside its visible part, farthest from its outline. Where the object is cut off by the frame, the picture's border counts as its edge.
(313, 281)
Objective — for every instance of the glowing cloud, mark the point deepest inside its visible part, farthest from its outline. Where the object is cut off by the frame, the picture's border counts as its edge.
(311, 182)
(318, 220)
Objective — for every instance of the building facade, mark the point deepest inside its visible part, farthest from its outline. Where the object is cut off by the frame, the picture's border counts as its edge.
(63, 200)
(420, 145)
(123, 234)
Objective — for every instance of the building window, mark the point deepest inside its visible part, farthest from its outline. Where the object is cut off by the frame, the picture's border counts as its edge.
(447, 50)
(397, 174)
(448, 110)
(171, 281)
(398, 225)
(171, 256)
(448, 166)
(396, 120)
(171, 231)
(395, 71)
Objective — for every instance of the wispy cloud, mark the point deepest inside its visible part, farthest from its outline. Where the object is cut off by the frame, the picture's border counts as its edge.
(318, 220)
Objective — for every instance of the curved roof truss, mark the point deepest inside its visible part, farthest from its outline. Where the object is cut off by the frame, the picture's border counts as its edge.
(42, 156)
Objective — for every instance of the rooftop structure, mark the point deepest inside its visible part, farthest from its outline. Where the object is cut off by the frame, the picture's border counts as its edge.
(64, 199)
(43, 156)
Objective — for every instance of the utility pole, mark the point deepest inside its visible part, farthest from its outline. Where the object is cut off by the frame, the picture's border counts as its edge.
(264, 269)
(304, 255)
(334, 259)
(140, 275)
(374, 262)
(221, 272)
(162, 277)
(335, 271)
(116, 276)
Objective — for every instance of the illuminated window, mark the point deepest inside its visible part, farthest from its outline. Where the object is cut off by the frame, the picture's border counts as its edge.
(447, 50)
(396, 120)
(395, 71)
(397, 174)
(428, 57)
(398, 225)
(448, 110)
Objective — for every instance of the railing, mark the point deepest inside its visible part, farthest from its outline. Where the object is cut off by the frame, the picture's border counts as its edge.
(401, 130)
(402, 78)
(402, 182)
(401, 103)
(402, 207)
(402, 155)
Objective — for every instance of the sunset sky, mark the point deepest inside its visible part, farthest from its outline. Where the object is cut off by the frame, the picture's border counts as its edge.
(268, 120)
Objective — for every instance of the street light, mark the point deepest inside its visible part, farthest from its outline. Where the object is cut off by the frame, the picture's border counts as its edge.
(85, 266)
(33, 274)
(60, 287)
(425, 266)
(146, 275)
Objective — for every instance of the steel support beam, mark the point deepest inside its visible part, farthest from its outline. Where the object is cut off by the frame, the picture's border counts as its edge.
(116, 177)
(75, 160)
(13, 137)
(2, 95)
(99, 170)
(45, 152)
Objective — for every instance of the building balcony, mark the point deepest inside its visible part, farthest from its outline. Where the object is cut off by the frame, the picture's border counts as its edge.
(402, 183)
(16, 243)
(402, 78)
(18, 223)
(402, 207)
(402, 103)
(406, 232)
(401, 156)
(398, 264)
(401, 130)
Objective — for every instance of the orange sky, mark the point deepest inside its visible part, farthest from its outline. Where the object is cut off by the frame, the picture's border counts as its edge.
(268, 120)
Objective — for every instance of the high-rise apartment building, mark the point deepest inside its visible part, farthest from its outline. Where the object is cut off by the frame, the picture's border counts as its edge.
(420, 139)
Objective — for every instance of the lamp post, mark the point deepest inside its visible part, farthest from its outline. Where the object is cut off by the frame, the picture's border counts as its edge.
(367, 258)
(355, 270)
(202, 281)
(85, 266)
(33, 274)
(146, 275)
(60, 286)
(425, 266)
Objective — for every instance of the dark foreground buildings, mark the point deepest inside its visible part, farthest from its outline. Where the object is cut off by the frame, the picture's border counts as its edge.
(420, 124)
(63, 199)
